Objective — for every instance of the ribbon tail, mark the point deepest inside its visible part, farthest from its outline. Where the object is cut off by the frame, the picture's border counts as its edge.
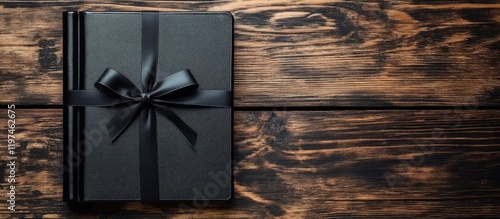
(122, 119)
(206, 98)
(148, 155)
(90, 98)
(187, 132)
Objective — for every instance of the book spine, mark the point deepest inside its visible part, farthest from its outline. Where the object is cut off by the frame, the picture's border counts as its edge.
(71, 157)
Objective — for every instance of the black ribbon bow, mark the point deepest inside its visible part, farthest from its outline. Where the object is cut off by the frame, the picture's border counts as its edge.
(177, 89)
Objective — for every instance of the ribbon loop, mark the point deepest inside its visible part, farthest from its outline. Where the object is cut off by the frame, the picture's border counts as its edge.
(182, 81)
(116, 85)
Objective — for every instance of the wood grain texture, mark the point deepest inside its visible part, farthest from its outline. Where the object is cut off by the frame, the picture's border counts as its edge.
(311, 53)
(299, 53)
(400, 163)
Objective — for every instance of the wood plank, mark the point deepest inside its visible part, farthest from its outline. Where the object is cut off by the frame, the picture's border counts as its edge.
(305, 163)
(300, 53)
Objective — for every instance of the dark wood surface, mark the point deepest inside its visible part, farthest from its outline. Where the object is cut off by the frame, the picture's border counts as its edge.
(309, 53)
(343, 108)
(309, 164)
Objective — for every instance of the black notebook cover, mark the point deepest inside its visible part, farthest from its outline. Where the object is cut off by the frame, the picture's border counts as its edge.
(98, 170)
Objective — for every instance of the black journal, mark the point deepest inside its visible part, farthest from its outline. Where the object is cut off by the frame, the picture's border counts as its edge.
(147, 106)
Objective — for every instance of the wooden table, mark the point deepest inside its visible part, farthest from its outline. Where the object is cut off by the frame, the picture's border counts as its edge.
(342, 108)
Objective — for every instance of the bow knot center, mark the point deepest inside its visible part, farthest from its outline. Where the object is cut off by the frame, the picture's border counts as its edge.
(145, 98)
